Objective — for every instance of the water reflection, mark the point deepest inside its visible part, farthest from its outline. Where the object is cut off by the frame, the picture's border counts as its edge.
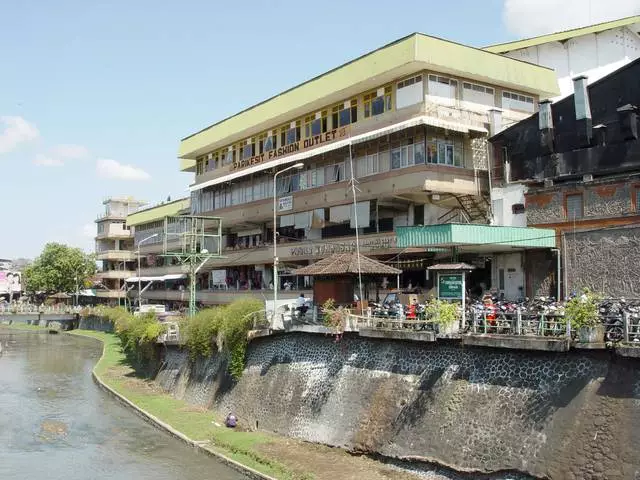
(56, 424)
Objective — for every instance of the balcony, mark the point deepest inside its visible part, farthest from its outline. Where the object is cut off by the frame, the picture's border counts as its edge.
(166, 270)
(115, 231)
(116, 255)
(115, 274)
(111, 293)
(220, 297)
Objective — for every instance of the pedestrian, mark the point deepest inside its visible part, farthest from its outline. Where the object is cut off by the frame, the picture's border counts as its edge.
(231, 421)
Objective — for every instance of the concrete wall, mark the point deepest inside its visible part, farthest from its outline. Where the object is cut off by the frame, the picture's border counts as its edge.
(572, 415)
(92, 322)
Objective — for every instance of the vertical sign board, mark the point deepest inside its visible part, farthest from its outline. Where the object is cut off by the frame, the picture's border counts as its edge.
(285, 203)
(451, 286)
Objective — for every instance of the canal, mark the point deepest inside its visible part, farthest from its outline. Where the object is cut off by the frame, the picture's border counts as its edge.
(56, 424)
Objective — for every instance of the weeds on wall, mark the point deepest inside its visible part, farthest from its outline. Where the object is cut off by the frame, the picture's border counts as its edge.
(222, 328)
(137, 334)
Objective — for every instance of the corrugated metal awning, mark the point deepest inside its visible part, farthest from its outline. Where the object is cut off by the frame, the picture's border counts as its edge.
(489, 237)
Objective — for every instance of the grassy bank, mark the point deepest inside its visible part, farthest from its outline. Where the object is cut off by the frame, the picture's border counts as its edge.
(279, 457)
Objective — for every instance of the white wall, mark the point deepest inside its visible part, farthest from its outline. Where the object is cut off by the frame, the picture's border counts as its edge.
(594, 55)
(502, 199)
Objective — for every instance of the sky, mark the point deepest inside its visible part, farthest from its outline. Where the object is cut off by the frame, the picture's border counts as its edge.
(95, 96)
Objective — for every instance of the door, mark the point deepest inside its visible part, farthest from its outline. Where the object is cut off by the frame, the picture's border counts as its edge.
(509, 276)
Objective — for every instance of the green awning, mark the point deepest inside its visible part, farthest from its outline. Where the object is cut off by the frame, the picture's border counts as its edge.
(489, 237)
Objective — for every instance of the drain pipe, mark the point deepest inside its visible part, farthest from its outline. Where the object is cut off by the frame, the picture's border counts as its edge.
(558, 272)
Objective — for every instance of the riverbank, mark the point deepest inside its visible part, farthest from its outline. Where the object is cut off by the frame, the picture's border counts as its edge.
(271, 455)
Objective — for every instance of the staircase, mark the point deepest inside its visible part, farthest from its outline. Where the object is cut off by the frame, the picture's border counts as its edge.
(475, 207)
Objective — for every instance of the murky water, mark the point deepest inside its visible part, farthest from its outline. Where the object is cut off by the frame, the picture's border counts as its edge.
(56, 424)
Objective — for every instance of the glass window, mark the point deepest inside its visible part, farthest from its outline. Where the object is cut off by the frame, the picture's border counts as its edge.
(574, 206)
(396, 154)
(248, 150)
(230, 157)
(418, 153)
(375, 104)
(334, 173)
(293, 135)
(341, 116)
(432, 152)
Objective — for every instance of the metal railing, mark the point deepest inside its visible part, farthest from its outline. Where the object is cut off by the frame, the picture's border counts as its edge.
(22, 308)
(517, 323)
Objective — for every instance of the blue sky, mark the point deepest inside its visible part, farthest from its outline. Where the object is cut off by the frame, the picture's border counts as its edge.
(95, 96)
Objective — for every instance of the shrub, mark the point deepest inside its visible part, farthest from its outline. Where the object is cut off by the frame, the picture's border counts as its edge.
(229, 324)
(201, 330)
(442, 312)
(582, 311)
(333, 317)
(137, 334)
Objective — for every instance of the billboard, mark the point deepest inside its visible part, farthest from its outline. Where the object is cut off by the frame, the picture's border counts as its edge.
(10, 282)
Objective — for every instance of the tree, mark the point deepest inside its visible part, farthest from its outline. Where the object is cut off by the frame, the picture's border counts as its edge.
(59, 268)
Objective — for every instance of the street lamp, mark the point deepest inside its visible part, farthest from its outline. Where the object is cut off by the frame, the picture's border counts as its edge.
(139, 281)
(297, 166)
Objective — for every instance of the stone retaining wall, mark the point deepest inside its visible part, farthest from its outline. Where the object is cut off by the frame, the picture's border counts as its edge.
(549, 415)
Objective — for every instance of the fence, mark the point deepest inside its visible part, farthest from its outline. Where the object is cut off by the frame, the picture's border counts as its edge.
(25, 308)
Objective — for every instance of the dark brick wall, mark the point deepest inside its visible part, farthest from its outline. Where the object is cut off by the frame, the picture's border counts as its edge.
(605, 260)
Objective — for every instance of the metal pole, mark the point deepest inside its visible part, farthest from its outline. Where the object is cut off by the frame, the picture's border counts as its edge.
(275, 236)
(275, 246)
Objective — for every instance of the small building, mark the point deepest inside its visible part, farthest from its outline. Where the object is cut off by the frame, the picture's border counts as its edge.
(114, 248)
(576, 165)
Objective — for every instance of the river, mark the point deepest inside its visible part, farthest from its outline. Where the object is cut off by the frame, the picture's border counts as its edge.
(55, 423)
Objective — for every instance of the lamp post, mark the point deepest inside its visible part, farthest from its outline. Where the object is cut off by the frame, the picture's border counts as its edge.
(139, 281)
(297, 166)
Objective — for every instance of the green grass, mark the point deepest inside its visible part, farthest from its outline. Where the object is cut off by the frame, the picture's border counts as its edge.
(197, 425)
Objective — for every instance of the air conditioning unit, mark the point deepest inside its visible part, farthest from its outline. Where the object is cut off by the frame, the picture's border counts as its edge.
(587, 177)
(548, 183)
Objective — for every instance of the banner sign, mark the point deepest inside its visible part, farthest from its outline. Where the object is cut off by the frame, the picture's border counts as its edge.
(296, 147)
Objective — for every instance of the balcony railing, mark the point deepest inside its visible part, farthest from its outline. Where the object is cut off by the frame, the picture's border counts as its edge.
(122, 255)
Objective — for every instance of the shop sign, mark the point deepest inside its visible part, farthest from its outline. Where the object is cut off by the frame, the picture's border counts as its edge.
(450, 285)
(285, 203)
(367, 244)
(299, 146)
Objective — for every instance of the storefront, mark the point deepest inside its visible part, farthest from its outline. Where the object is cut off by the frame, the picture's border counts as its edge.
(498, 254)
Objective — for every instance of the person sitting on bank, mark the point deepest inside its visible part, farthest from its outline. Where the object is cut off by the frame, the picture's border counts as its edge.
(301, 304)
(231, 421)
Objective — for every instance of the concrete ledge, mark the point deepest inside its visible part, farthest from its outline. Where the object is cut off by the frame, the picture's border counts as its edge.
(19, 318)
(321, 329)
(265, 332)
(630, 351)
(413, 335)
(589, 346)
(514, 342)
(156, 422)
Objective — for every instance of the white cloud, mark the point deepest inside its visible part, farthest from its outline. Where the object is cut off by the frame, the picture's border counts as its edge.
(108, 168)
(69, 151)
(46, 161)
(528, 18)
(16, 131)
(58, 154)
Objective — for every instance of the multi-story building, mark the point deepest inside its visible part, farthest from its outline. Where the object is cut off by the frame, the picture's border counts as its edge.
(408, 122)
(594, 50)
(577, 164)
(114, 247)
